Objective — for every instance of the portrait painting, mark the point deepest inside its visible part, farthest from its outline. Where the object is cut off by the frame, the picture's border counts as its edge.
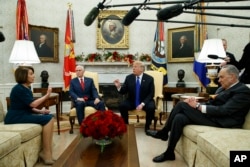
(46, 42)
(181, 44)
(111, 33)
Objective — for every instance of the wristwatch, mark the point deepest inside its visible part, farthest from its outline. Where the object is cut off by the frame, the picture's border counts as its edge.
(197, 106)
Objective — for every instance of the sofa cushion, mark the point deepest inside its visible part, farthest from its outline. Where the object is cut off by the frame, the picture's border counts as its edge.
(9, 141)
(27, 131)
(246, 124)
(192, 131)
(218, 144)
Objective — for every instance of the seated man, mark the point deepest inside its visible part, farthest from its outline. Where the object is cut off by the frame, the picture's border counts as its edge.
(141, 99)
(227, 110)
(84, 93)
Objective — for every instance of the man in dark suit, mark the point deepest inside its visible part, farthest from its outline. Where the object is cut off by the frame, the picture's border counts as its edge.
(84, 93)
(229, 59)
(146, 93)
(227, 109)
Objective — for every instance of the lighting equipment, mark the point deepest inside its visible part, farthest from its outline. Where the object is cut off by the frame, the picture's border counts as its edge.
(24, 53)
(212, 48)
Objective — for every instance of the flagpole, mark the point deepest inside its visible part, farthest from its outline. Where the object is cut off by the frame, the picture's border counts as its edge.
(69, 53)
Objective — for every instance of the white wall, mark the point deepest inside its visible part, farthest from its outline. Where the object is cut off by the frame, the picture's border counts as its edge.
(52, 13)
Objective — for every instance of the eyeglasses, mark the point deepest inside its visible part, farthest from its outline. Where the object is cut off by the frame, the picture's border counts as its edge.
(78, 70)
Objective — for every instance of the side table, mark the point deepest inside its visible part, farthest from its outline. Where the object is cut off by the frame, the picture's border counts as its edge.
(58, 90)
(168, 91)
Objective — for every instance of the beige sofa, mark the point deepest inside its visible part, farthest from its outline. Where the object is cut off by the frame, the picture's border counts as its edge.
(204, 146)
(20, 144)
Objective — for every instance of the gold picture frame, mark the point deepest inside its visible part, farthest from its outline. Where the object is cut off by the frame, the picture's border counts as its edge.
(111, 33)
(48, 52)
(181, 53)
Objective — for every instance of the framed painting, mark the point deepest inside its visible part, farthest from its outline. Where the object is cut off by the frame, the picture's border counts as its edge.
(181, 44)
(46, 42)
(111, 33)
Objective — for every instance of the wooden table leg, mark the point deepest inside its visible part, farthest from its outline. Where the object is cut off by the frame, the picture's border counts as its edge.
(58, 117)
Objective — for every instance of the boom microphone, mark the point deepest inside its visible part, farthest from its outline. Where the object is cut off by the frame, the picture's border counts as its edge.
(215, 57)
(89, 19)
(130, 16)
(2, 38)
(170, 12)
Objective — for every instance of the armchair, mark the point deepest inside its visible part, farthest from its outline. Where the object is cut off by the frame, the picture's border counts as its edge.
(88, 109)
(158, 97)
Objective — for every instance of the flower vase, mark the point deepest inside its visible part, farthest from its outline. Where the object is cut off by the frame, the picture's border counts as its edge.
(103, 143)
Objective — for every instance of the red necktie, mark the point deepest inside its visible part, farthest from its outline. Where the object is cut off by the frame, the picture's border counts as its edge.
(82, 84)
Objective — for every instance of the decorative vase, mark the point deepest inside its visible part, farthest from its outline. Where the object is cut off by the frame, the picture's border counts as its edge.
(103, 143)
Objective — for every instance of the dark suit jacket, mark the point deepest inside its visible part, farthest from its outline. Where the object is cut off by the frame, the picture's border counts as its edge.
(89, 91)
(147, 89)
(232, 58)
(230, 107)
(244, 62)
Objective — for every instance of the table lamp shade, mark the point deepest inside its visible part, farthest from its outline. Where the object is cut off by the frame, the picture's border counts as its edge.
(212, 47)
(24, 52)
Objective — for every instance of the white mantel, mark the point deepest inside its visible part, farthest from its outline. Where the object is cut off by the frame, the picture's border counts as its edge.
(109, 71)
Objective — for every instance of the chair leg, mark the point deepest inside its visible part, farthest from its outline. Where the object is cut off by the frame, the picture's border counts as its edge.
(138, 118)
(161, 118)
(72, 122)
(155, 122)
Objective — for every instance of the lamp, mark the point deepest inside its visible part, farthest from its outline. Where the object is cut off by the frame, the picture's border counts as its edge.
(212, 48)
(24, 53)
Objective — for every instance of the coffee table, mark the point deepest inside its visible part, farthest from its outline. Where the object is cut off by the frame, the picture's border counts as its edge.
(84, 152)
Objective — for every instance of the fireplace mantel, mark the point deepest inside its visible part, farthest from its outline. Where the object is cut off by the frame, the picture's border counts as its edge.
(109, 71)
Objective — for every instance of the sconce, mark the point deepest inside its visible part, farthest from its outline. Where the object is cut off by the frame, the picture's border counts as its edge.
(24, 53)
(212, 48)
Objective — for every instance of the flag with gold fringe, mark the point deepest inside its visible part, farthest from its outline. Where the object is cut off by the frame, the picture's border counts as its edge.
(159, 62)
(200, 69)
(22, 26)
(69, 53)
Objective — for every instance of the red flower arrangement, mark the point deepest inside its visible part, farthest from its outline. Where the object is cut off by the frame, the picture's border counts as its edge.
(93, 57)
(145, 57)
(129, 58)
(103, 124)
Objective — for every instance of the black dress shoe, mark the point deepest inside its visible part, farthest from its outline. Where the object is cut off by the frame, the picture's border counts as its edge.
(157, 135)
(164, 157)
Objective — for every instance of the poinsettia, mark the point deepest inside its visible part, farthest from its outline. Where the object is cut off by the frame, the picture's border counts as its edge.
(129, 58)
(92, 57)
(103, 124)
(145, 57)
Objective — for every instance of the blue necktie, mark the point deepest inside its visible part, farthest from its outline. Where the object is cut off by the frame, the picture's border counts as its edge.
(137, 93)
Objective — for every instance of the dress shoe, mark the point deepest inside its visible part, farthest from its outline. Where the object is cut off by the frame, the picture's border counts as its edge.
(146, 129)
(157, 135)
(164, 157)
